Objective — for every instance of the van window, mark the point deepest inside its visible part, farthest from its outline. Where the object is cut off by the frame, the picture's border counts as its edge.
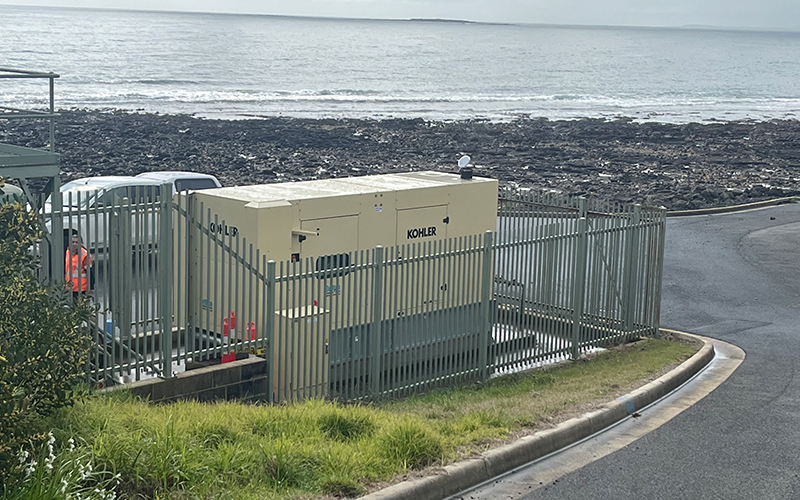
(145, 194)
(112, 196)
(194, 184)
(135, 194)
(333, 265)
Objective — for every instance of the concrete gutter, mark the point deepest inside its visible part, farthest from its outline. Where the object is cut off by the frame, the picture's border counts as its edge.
(460, 476)
(732, 208)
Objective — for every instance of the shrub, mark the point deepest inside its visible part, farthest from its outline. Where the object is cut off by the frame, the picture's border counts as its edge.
(42, 349)
(345, 424)
(341, 486)
(410, 444)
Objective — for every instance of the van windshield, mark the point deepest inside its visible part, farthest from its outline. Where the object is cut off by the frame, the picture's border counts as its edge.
(76, 195)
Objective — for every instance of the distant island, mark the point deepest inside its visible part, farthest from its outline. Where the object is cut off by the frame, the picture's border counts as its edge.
(438, 20)
(454, 21)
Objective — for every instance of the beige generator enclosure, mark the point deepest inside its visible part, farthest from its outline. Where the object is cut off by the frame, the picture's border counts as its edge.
(322, 235)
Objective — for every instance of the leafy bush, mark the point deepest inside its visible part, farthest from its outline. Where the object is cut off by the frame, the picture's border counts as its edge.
(42, 349)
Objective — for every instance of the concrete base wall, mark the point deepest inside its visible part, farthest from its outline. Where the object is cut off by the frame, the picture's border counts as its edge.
(245, 379)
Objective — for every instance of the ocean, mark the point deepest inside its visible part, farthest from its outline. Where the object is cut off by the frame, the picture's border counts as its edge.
(240, 66)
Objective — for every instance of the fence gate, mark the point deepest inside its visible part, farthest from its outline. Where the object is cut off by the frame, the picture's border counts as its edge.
(571, 276)
(122, 230)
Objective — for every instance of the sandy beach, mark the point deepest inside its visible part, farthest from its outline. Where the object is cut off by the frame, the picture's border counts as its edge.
(676, 166)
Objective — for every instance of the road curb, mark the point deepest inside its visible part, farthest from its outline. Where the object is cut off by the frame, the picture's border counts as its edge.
(733, 208)
(459, 476)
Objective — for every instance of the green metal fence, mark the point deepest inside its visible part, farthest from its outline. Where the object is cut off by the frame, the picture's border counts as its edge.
(128, 277)
(572, 275)
(560, 277)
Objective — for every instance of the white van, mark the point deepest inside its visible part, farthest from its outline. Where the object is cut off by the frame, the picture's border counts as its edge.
(87, 202)
(183, 181)
(9, 193)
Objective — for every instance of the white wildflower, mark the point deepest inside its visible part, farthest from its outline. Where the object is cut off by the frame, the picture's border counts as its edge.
(64, 485)
(23, 455)
(71, 443)
(51, 439)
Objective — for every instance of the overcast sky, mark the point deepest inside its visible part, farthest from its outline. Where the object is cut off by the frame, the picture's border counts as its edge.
(770, 14)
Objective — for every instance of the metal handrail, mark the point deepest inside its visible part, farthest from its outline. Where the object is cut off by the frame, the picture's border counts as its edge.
(7, 112)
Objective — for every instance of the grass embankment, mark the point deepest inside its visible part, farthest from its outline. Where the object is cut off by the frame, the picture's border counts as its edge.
(312, 449)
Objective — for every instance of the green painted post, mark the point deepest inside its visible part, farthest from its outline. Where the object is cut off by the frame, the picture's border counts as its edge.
(579, 282)
(165, 272)
(631, 264)
(377, 313)
(270, 333)
(659, 264)
(123, 319)
(486, 302)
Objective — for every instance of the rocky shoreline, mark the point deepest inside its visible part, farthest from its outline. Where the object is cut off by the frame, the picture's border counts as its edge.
(677, 166)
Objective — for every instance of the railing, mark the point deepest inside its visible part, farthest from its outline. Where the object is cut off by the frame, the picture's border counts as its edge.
(50, 115)
(27, 161)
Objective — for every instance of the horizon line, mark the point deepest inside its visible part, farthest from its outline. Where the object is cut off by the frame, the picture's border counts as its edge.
(695, 27)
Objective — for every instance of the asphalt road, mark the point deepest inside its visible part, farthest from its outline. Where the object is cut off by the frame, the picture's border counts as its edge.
(733, 277)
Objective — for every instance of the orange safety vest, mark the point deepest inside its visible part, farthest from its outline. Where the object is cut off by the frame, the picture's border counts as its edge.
(77, 269)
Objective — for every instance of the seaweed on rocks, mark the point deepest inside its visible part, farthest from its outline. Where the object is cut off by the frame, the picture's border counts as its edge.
(679, 166)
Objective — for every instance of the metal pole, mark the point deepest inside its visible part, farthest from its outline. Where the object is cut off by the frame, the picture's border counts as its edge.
(377, 314)
(164, 262)
(270, 330)
(631, 255)
(52, 118)
(486, 300)
(579, 283)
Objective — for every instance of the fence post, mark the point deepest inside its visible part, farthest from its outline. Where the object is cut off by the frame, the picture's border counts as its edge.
(659, 265)
(164, 262)
(631, 264)
(377, 317)
(486, 303)
(122, 275)
(579, 281)
(269, 311)
(57, 248)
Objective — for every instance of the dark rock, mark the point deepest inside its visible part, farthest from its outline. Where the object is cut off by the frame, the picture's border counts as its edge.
(679, 166)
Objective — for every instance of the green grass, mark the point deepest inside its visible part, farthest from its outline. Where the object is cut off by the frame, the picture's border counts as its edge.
(317, 449)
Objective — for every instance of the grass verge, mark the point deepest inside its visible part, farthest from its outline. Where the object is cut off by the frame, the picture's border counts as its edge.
(320, 449)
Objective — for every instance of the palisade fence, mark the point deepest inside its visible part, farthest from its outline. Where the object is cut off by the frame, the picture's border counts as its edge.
(560, 277)
(123, 230)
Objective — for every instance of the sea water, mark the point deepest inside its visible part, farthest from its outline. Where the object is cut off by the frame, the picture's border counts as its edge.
(236, 66)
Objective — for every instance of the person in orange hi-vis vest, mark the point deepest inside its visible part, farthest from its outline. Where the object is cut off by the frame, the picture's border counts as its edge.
(77, 265)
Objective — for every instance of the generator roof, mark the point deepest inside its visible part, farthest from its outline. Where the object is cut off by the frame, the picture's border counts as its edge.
(323, 188)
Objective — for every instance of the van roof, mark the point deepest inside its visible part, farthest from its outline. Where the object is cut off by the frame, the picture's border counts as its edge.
(173, 175)
(102, 181)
